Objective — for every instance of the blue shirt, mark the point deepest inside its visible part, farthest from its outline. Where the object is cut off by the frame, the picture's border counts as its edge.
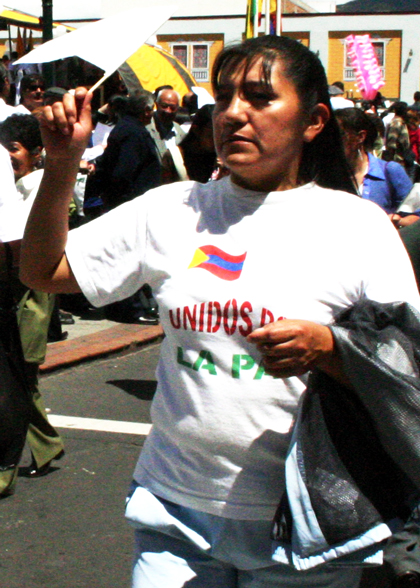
(386, 183)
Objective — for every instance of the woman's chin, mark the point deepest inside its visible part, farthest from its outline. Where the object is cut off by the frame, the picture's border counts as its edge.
(241, 163)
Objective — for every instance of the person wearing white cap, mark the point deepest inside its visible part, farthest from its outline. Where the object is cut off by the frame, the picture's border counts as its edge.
(337, 99)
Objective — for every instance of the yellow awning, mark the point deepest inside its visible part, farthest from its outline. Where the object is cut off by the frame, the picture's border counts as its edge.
(152, 67)
(16, 18)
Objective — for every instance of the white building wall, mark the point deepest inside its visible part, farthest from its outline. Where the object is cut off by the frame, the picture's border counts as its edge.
(231, 28)
(185, 7)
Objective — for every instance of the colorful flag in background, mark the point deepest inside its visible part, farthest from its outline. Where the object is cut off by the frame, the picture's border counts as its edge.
(254, 7)
(254, 12)
(273, 16)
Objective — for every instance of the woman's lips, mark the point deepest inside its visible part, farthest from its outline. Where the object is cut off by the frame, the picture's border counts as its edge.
(237, 139)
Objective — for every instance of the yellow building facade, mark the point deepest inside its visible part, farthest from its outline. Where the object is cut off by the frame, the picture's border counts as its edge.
(387, 46)
(395, 37)
(196, 52)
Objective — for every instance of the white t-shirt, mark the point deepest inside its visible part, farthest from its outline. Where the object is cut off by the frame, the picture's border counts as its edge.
(15, 211)
(11, 224)
(6, 110)
(8, 193)
(28, 186)
(222, 261)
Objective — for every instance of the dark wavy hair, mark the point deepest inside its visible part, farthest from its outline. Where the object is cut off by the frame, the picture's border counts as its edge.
(200, 164)
(23, 128)
(323, 159)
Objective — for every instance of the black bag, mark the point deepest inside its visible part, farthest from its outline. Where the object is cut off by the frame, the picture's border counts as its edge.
(15, 395)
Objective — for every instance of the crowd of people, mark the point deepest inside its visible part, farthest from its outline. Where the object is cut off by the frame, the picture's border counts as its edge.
(246, 227)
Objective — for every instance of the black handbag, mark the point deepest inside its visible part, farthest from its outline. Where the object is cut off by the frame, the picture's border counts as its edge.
(15, 394)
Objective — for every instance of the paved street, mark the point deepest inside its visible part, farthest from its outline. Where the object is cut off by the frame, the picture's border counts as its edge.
(67, 530)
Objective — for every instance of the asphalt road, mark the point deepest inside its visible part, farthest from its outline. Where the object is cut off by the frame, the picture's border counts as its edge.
(67, 529)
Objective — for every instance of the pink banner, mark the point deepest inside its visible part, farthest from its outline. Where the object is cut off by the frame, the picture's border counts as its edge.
(363, 59)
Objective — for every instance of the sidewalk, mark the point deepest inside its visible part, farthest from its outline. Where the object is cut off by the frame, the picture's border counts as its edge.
(92, 336)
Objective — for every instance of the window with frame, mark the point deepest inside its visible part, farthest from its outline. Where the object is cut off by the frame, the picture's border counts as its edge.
(349, 74)
(195, 57)
(379, 49)
(200, 56)
(181, 53)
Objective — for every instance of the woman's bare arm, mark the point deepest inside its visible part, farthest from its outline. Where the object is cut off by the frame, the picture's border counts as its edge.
(66, 128)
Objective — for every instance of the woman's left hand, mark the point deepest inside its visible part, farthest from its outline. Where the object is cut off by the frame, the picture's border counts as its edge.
(293, 347)
(403, 221)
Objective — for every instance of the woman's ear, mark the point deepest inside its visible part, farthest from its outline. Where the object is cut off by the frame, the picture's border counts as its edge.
(319, 117)
(36, 156)
(361, 135)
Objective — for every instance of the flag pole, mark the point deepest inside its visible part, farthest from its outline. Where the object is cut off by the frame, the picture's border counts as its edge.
(267, 17)
(99, 82)
(278, 18)
(10, 41)
(255, 18)
(48, 69)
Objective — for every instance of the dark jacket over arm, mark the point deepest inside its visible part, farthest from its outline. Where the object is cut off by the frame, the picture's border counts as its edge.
(357, 451)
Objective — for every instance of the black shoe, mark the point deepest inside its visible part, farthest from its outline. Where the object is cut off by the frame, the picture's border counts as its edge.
(145, 320)
(37, 472)
(62, 337)
(66, 318)
(153, 311)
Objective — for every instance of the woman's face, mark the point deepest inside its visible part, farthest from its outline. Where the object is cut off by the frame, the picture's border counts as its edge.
(259, 133)
(23, 161)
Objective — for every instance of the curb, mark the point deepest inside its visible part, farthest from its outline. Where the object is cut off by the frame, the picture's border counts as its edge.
(113, 340)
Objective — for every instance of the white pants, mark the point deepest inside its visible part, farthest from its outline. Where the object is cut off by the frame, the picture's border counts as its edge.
(178, 546)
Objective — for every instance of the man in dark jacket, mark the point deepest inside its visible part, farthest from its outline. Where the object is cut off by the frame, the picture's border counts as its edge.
(130, 165)
(128, 168)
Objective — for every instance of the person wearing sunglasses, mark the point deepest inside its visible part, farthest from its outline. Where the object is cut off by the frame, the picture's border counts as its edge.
(32, 88)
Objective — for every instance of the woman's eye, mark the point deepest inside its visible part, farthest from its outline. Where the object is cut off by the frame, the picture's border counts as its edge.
(259, 96)
(222, 97)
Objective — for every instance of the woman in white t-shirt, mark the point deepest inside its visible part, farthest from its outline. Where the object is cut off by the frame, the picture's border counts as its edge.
(248, 272)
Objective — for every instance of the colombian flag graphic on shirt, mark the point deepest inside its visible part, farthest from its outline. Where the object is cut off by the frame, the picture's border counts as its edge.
(217, 262)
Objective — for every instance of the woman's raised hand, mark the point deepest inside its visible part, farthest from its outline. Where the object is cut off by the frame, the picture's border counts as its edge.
(66, 126)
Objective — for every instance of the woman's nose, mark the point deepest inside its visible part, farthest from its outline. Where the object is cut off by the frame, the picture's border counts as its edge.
(236, 109)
